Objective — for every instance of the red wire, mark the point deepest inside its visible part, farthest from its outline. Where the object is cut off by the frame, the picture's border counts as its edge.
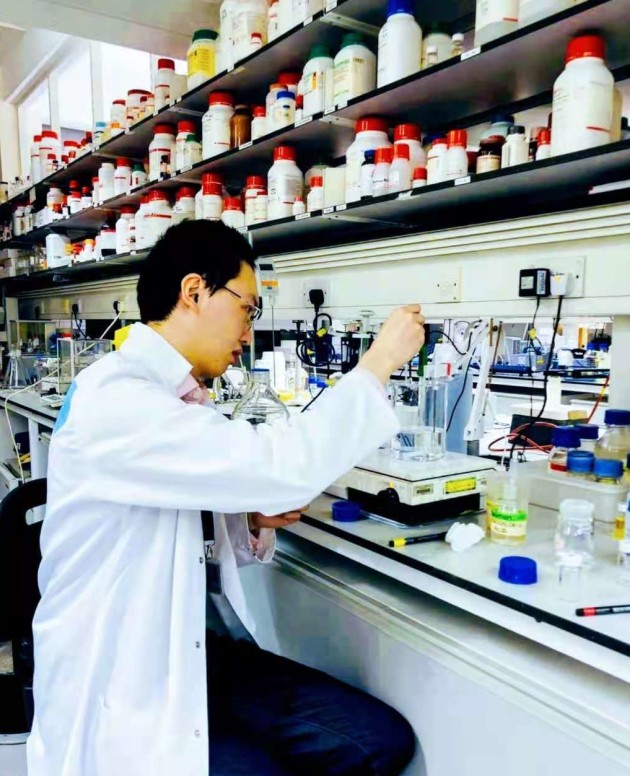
(602, 393)
(530, 444)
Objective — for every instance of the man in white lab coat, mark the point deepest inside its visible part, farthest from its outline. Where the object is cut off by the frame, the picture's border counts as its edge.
(120, 659)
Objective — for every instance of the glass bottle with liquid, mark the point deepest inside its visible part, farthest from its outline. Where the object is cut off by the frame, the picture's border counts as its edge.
(259, 403)
(507, 510)
(615, 441)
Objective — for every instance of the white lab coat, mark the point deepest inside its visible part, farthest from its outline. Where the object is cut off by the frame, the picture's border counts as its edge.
(120, 671)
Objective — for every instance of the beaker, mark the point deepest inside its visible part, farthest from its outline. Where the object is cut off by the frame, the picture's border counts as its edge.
(420, 406)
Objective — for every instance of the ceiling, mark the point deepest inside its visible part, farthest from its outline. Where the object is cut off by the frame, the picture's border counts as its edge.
(9, 36)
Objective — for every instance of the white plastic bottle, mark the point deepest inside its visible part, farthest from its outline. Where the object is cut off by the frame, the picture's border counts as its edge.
(158, 216)
(184, 208)
(456, 156)
(138, 175)
(233, 215)
(285, 16)
(534, 10)
(314, 79)
(355, 69)
(106, 176)
(400, 171)
(438, 38)
(36, 167)
(255, 185)
(583, 98)
(399, 43)
(86, 198)
(202, 58)
(250, 17)
(216, 124)
(226, 35)
(285, 182)
(315, 199)
(122, 177)
(371, 134)
(259, 122)
(367, 174)
(184, 128)
(299, 206)
(382, 167)
(142, 210)
(118, 113)
(283, 111)
(211, 197)
(411, 136)
(303, 9)
(162, 145)
(437, 167)
(126, 230)
(544, 145)
(494, 19)
(273, 20)
(516, 149)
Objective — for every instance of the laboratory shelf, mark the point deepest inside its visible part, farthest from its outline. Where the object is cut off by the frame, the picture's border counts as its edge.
(553, 184)
(514, 73)
(85, 223)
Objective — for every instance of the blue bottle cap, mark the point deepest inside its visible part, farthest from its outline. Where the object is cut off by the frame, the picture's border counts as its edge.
(346, 512)
(617, 418)
(285, 96)
(565, 436)
(321, 383)
(502, 118)
(580, 462)
(611, 469)
(518, 571)
(369, 156)
(260, 371)
(588, 431)
(400, 6)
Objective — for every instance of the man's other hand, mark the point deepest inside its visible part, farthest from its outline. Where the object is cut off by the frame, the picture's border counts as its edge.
(258, 521)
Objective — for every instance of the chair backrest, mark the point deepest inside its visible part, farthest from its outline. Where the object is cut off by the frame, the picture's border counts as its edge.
(20, 556)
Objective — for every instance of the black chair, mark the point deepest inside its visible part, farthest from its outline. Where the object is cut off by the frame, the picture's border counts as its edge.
(20, 556)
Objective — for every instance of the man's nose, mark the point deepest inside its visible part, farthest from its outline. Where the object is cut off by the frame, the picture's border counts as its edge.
(247, 337)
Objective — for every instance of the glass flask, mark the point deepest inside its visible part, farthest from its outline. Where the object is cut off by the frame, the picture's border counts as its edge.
(16, 375)
(420, 406)
(259, 403)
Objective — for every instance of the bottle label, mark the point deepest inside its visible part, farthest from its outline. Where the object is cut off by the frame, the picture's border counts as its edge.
(216, 135)
(585, 109)
(282, 193)
(201, 60)
(508, 525)
(246, 23)
(351, 79)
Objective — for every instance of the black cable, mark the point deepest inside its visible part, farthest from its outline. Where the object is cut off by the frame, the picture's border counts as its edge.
(460, 397)
(314, 399)
(525, 434)
(79, 329)
(450, 339)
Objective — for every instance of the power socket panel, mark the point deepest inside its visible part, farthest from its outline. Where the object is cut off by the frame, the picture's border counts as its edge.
(309, 285)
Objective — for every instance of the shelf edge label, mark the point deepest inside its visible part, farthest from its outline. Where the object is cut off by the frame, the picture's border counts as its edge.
(470, 54)
(243, 146)
(405, 194)
(330, 6)
(302, 216)
(341, 207)
(302, 122)
(328, 210)
(328, 111)
(308, 21)
(463, 181)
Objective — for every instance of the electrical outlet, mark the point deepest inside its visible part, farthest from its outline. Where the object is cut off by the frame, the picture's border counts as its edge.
(309, 285)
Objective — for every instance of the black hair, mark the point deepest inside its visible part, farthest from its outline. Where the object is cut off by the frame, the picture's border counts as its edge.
(208, 248)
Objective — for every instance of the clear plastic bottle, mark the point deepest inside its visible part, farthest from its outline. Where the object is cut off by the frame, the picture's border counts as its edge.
(615, 441)
(619, 528)
(508, 513)
(399, 43)
(564, 438)
(259, 403)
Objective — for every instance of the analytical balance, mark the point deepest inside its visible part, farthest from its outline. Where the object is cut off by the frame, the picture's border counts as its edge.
(415, 492)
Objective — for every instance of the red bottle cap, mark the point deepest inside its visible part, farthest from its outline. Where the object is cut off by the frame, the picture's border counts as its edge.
(401, 151)
(232, 203)
(221, 98)
(189, 127)
(122, 162)
(383, 156)
(158, 195)
(256, 182)
(586, 46)
(544, 137)
(212, 177)
(166, 64)
(259, 112)
(457, 138)
(420, 174)
(164, 129)
(407, 132)
(372, 124)
(317, 182)
(284, 153)
(186, 191)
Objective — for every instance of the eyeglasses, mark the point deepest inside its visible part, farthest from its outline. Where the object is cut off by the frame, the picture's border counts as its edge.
(253, 313)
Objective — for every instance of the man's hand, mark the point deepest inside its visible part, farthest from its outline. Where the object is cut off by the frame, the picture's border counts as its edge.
(400, 340)
(258, 521)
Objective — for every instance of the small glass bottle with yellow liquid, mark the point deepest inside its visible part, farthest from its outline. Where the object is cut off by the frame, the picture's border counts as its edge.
(506, 510)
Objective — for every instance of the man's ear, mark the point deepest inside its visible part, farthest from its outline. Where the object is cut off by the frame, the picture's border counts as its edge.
(191, 287)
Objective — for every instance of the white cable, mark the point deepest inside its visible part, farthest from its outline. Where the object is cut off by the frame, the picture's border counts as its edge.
(33, 385)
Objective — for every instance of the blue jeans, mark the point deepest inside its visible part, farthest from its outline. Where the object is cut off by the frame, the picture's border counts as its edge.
(270, 716)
